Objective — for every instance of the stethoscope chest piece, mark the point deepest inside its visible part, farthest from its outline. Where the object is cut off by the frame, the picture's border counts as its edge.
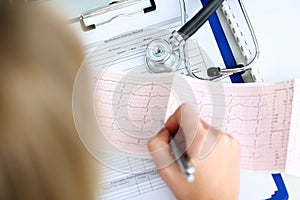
(160, 57)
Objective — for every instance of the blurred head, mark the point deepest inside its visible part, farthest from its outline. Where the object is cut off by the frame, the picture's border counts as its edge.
(41, 156)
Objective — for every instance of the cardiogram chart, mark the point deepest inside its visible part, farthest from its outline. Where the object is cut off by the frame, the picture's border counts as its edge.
(131, 107)
(257, 115)
(131, 110)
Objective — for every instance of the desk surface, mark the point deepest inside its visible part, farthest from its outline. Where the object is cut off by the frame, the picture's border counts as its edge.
(277, 29)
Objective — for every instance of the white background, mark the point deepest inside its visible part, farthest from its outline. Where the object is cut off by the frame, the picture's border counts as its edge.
(277, 27)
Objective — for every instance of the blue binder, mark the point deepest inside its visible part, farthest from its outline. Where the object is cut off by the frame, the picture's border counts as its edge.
(229, 60)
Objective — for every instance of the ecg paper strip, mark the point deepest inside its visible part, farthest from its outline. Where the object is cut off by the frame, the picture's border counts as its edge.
(131, 110)
(257, 115)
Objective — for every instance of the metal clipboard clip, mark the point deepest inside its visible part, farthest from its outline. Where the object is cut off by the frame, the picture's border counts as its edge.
(117, 9)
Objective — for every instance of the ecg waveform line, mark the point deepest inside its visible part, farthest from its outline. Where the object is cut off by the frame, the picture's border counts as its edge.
(254, 115)
(131, 109)
(247, 112)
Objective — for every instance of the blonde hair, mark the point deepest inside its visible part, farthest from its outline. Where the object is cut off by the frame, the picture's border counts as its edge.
(41, 156)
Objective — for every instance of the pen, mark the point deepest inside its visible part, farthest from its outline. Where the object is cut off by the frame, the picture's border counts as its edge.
(184, 161)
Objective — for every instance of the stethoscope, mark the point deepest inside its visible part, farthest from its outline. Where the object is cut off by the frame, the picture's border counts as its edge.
(165, 55)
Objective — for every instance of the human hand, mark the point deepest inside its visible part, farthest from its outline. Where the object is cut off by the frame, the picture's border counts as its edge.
(217, 172)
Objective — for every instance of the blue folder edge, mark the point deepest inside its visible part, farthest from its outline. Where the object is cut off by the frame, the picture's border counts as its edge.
(227, 55)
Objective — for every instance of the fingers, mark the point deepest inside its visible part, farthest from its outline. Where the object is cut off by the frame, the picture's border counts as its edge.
(160, 141)
(211, 139)
(159, 149)
(226, 154)
(165, 163)
(185, 121)
(188, 128)
(184, 117)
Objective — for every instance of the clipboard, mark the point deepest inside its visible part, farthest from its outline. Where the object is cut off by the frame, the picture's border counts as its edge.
(90, 19)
